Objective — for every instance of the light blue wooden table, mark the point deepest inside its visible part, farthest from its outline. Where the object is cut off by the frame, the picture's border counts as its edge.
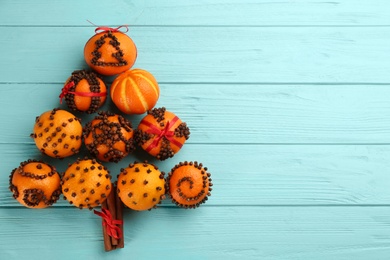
(289, 108)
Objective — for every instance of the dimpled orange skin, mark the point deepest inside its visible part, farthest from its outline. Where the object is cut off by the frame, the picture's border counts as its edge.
(57, 133)
(135, 91)
(141, 186)
(101, 59)
(84, 103)
(103, 147)
(189, 184)
(86, 184)
(39, 176)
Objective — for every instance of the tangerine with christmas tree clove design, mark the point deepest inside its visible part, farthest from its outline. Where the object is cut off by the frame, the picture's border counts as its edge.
(110, 51)
(84, 91)
(141, 186)
(86, 183)
(189, 184)
(135, 91)
(109, 137)
(35, 184)
(161, 133)
(57, 133)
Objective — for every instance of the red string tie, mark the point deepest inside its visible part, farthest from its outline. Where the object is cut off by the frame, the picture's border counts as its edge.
(110, 224)
(66, 90)
(166, 132)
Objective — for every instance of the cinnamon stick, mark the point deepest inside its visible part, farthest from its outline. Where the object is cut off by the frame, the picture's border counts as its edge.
(119, 216)
(111, 204)
(106, 237)
(112, 208)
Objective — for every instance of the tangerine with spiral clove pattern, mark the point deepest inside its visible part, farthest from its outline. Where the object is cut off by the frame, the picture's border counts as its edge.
(35, 184)
(189, 184)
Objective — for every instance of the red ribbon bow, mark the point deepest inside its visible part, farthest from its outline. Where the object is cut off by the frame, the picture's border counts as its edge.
(110, 224)
(109, 29)
(160, 133)
(100, 29)
(66, 90)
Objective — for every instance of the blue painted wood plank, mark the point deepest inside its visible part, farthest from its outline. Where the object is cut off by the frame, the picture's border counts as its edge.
(210, 54)
(272, 90)
(256, 174)
(204, 233)
(230, 113)
(199, 13)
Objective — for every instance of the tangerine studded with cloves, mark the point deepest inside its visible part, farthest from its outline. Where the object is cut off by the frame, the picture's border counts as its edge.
(189, 184)
(84, 91)
(35, 184)
(161, 133)
(109, 137)
(86, 183)
(110, 52)
(57, 133)
(141, 186)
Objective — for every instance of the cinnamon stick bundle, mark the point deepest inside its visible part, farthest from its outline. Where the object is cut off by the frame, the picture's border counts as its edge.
(119, 216)
(106, 237)
(115, 206)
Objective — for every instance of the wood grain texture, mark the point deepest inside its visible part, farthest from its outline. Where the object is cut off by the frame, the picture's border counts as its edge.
(243, 114)
(199, 13)
(210, 54)
(207, 233)
(288, 107)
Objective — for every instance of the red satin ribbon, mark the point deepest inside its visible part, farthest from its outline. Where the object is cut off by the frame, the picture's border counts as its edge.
(109, 29)
(160, 133)
(110, 224)
(66, 88)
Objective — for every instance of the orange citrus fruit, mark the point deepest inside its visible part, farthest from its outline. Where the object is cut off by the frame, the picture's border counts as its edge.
(189, 184)
(135, 91)
(35, 184)
(141, 186)
(86, 184)
(161, 133)
(110, 53)
(109, 137)
(84, 91)
(57, 133)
